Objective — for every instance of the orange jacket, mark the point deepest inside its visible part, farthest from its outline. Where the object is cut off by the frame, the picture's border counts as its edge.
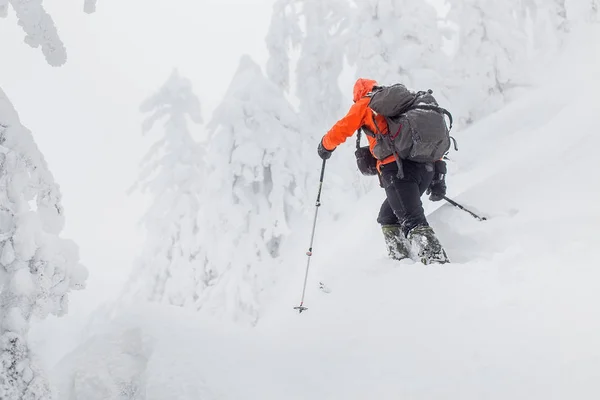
(359, 115)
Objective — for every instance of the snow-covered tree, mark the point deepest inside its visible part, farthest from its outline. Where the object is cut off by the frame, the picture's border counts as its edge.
(585, 11)
(171, 269)
(559, 10)
(321, 60)
(256, 183)
(284, 35)
(37, 267)
(552, 20)
(549, 24)
(492, 48)
(314, 29)
(3, 8)
(397, 41)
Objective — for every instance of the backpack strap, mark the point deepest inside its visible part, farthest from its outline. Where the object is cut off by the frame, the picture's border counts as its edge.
(400, 173)
(454, 141)
(374, 90)
(376, 126)
(366, 131)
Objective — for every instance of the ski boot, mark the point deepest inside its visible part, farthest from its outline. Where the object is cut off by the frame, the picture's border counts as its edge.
(395, 242)
(426, 246)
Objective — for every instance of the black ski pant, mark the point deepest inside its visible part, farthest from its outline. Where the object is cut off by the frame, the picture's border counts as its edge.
(403, 203)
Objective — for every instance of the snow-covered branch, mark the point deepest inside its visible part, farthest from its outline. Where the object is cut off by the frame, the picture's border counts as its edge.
(89, 6)
(40, 30)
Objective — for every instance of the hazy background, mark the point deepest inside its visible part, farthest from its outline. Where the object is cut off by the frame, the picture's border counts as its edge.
(84, 115)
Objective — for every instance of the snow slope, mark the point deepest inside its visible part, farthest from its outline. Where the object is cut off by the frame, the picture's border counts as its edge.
(513, 317)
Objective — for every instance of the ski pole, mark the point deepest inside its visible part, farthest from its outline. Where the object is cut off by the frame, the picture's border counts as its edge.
(301, 307)
(455, 204)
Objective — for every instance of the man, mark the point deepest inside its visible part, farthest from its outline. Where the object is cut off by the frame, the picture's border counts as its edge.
(402, 217)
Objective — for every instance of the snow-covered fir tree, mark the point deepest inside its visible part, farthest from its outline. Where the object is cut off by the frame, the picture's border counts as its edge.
(314, 29)
(552, 20)
(397, 41)
(492, 48)
(256, 184)
(37, 267)
(284, 35)
(549, 25)
(171, 268)
(321, 60)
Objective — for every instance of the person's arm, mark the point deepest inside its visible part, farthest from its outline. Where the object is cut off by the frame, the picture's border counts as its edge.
(346, 126)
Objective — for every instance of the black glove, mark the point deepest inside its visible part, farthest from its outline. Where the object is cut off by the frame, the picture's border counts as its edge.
(323, 152)
(437, 187)
(437, 190)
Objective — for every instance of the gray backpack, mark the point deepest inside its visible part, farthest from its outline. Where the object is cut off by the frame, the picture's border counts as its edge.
(417, 129)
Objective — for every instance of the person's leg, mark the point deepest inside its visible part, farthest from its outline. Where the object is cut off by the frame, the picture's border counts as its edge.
(395, 242)
(425, 246)
(404, 195)
(386, 214)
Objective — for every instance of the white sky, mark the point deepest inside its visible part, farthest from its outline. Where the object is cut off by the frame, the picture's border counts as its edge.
(84, 115)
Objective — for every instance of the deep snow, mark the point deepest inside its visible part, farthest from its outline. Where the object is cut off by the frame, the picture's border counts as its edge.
(513, 317)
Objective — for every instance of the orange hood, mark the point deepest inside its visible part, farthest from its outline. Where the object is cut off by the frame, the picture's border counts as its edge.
(362, 87)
